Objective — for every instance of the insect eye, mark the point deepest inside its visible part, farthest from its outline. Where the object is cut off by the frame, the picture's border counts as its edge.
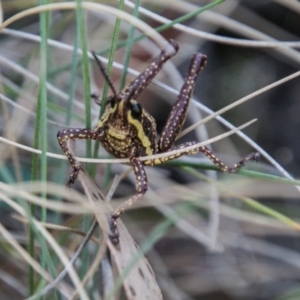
(136, 109)
(112, 102)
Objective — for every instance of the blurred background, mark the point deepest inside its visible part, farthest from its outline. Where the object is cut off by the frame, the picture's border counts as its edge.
(226, 249)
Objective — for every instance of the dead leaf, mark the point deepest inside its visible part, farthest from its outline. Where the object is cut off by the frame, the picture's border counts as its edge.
(137, 276)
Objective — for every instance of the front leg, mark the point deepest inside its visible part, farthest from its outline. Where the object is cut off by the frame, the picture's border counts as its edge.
(178, 113)
(140, 83)
(141, 186)
(71, 134)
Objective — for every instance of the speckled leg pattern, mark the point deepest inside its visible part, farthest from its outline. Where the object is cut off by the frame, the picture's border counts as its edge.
(141, 82)
(141, 186)
(208, 153)
(178, 113)
(70, 134)
(124, 115)
(176, 120)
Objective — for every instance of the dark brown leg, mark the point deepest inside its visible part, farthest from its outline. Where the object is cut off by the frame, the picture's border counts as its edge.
(71, 134)
(141, 187)
(140, 83)
(208, 153)
(178, 113)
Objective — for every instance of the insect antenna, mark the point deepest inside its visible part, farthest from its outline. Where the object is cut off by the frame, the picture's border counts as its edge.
(131, 91)
(107, 78)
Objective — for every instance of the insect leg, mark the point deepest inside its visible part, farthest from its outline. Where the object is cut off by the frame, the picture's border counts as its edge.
(178, 113)
(71, 134)
(141, 187)
(208, 153)
(139, 84)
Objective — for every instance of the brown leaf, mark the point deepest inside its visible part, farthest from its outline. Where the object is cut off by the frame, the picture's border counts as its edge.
(140, 282)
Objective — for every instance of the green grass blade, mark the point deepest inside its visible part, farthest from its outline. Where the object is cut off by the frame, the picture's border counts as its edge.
(129, 45)
(111, 56)
(85, 70)
(80, 23)
(40, 130)
(170, 24)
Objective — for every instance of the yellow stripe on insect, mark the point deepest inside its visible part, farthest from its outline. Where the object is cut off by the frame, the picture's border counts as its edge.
(105, 116)
(141, 134)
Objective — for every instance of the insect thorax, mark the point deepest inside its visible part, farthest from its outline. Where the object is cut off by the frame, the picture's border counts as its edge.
(126, 134)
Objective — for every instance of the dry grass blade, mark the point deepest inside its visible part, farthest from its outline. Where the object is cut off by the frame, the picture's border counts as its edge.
(126, 160)
(250, 218)
(56, 227)
(5, 233)
(1, 13)
(51, 242)
(93, 7)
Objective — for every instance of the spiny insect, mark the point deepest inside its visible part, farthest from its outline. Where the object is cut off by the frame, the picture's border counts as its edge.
(126, 130)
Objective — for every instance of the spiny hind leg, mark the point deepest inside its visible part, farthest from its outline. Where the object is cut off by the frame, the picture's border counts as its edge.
(208, 153)
(178, 113)
(225, 168)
